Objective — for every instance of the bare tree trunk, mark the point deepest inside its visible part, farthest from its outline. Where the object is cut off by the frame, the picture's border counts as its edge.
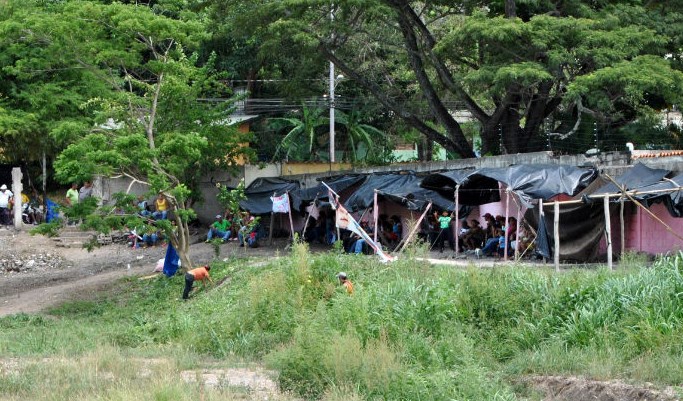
(510, 9)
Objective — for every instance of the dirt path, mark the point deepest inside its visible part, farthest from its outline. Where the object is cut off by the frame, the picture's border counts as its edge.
(38, 299)
(37, 272)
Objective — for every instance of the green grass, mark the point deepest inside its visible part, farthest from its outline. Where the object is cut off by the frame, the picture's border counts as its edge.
(410, 331)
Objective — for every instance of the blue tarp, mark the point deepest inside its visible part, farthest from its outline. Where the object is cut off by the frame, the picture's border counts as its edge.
(171, 262)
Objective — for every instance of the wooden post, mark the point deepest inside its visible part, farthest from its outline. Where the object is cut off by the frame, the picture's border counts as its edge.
(556, 235)
(308, 217)
(270, 229)
(623, 233)
(519, 223)
(608, 233)
(289, 213)
(457, 219)
(375, 215)
(417, 225)
(507, 223)
(540, 216)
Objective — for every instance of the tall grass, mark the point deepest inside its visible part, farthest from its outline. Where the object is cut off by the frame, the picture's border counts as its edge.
(410, 331)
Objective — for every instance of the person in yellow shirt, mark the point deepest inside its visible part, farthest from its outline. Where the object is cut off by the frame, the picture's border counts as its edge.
(160, 207)
(344, 281)
(198, 274)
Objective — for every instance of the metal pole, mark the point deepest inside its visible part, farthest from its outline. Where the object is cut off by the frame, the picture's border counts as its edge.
(331, 107)
(332, 95)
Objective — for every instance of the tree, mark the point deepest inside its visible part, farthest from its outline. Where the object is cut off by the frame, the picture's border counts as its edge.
(300, 138)
(360, 135)
(41, 90)
(512, 65)
(149, 124)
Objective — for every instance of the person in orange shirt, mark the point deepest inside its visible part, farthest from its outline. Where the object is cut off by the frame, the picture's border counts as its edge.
(343, 280)
(198, 274)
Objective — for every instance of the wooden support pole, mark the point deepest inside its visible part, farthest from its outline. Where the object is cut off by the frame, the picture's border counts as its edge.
(375, 215)
(640, 205)
(608, 233)
(540, 216)
(519, 223)
(507, 223)
(289, 213)
(270, 229)
(623, 230)
(457, 219)
(556, 234)
(414, 230)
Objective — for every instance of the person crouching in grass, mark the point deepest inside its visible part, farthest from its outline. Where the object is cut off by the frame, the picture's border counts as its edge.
(201, 274)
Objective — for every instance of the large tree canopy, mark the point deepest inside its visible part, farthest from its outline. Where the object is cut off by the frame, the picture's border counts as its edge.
(512, 65)
(132, 105)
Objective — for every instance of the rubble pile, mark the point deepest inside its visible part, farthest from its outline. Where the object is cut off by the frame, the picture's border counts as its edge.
(11, 262)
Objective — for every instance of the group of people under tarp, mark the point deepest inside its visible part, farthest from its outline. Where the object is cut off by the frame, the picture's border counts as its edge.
(437, 230)
(321, 229)
(241, 227)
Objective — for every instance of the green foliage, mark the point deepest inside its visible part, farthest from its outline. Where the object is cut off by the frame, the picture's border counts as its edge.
(409, 331)
(230, 198)
(301, 133)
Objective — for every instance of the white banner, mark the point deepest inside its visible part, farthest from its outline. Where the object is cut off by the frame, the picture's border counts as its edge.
(346, 221)
(280, 203)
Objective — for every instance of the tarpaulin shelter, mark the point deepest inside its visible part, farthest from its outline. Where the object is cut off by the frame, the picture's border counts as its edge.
(258, 194)
(538, 181)
(481, 191)
(636, 177)
(404, 189)
(527, 181)
(338, 184)
(667, 191)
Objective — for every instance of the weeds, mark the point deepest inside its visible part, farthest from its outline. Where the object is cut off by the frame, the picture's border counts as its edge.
(409, 331)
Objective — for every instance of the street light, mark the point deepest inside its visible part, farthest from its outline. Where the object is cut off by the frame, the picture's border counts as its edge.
(333, 84)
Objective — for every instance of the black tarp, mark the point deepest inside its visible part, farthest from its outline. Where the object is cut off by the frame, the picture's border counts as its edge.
(529, 181)
(338, 184)
(258, 193)
(538, 181)
(673, 199)
(403, 189)
(581, 228)
(638, 176)
(479, 192)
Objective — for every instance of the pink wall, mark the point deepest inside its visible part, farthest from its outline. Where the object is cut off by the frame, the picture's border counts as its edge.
(645, 234)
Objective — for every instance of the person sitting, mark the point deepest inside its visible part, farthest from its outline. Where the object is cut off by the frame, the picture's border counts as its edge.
(143, 207)
(151, 238)
(493, 243)
(219, 228)
(248, 233)
(160, 207)
(395, 235)
(474, 237)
